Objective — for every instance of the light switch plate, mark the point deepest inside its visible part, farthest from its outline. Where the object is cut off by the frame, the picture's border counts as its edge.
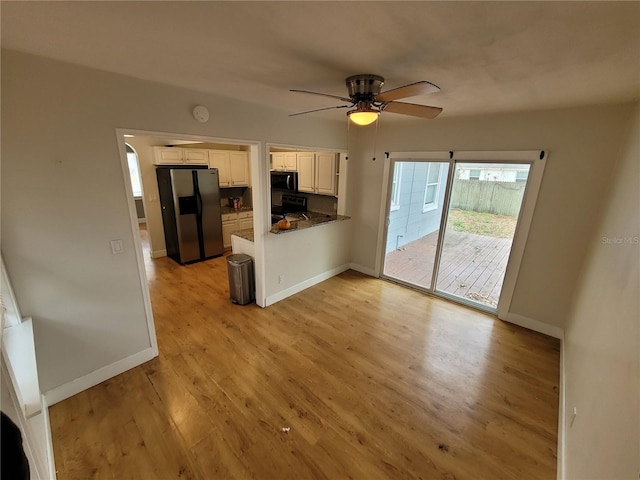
(116, 246)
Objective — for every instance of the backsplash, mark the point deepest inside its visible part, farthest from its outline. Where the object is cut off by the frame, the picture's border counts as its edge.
(243, 192)
(315, 203)
(322, 204)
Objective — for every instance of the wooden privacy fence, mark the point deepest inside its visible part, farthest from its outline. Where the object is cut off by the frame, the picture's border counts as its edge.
(500, 198)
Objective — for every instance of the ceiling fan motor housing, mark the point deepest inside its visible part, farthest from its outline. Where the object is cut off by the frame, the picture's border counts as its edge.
(364, 87)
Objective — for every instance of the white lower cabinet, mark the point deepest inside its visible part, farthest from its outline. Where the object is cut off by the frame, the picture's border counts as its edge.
(232, 222)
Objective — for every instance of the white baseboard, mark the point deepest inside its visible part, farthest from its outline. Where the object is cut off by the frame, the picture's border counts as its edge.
(281, 295)
(366, 270)
(159, 253)
(535, 325)
(92, 379)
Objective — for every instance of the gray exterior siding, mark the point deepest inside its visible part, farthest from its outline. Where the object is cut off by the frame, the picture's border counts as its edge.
(409, 223)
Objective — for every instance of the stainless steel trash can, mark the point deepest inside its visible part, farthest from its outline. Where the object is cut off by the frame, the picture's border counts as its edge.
(241, 279)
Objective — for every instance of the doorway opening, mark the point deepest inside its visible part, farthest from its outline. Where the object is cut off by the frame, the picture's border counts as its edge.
(451, 225)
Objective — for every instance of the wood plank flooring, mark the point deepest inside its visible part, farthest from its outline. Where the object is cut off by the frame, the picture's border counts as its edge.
(373, 381)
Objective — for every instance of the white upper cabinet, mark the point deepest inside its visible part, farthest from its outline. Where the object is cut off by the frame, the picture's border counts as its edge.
(167, 156)
(233, 167)
(220, 159)
(306, 172)
(287, 161)
(180, 156)
(326, 173)
(317, 173)
(239, 167)
(196, 156)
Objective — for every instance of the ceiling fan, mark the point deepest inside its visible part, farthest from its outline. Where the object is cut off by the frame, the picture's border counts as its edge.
(367, 102)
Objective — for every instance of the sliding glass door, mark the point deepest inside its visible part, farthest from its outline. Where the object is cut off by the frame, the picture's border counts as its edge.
(451, 225)
(415, 217)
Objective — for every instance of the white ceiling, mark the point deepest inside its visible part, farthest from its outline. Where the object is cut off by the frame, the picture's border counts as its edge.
(485, 56)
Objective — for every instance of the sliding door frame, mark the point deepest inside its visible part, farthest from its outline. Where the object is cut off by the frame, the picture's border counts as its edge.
(537, 161)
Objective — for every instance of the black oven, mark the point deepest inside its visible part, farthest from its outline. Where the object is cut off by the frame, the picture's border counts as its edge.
(286, 181)
(290, 204)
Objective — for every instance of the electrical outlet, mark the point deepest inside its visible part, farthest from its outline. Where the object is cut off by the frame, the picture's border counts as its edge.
(573, 416)
(280, 277)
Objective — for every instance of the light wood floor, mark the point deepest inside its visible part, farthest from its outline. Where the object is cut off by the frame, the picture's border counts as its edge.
(370, 381)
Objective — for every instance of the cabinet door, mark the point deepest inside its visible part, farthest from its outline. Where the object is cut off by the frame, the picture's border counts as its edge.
(326, 173)
(167, 156)
(220, 159)
(306, 172)
(290, 161)
(246, 223)
(239, 168)
(229, 224)
(196, 156)
(277, 161)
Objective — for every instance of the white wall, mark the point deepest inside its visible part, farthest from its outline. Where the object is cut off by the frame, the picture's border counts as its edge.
(602, 336)
(63, 199)
(582, 144)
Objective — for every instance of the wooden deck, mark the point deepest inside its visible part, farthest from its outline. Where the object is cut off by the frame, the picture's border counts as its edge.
(472, 266)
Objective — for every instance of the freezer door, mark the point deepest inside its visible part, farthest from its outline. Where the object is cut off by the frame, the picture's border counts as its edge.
(186, 207)
(211, 216)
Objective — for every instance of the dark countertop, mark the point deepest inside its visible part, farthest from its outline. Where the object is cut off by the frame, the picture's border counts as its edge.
(298, 222)
(247, 234)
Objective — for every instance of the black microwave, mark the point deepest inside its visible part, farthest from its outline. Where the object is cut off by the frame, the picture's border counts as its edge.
(285, 181)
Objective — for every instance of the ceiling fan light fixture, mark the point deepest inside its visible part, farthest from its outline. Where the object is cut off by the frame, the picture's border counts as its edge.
(363, 116)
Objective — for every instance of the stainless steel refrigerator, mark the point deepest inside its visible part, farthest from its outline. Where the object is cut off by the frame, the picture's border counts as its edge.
(190, 202)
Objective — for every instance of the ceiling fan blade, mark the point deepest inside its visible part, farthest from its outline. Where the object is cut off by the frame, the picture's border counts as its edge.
(344, 99)
(319, 110)
(422, 111)
(411, 90)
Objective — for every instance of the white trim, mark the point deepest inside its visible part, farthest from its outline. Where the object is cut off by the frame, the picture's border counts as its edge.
(560, 468)
(362, 269)
(500, 156)
(133, 220)
(51, 463)
(521, 235)
(92, 379)
(535, 325)
(408, 156)
(41, 468)
(19, 354)
(281, 295)
(260, 193)
(11, 311)
(159, 253)
(383, 216)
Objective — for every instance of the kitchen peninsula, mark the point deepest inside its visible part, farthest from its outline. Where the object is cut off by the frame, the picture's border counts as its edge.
(307, 219)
